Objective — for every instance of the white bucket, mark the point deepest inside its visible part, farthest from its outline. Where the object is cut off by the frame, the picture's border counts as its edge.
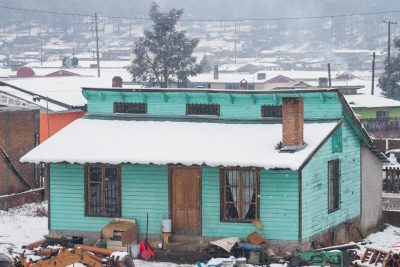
(166, 225)
(135, 251)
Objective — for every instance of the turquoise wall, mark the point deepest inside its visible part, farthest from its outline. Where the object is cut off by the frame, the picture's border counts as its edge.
(315, 216)
(145, 189)
(278, 211)
(316, 105)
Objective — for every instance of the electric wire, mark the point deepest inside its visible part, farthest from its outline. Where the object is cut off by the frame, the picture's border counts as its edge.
(205, 20)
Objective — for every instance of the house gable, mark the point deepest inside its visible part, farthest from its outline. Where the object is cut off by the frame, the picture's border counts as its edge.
(280, 79)
(314, 182)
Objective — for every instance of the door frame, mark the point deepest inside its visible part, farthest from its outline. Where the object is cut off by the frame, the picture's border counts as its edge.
(170, 170)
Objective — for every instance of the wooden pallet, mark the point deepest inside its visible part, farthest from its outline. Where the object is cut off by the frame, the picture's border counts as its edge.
(375, 257)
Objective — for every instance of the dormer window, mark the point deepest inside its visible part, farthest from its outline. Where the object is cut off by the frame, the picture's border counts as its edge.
(202, 109)
(271, 111)
(131, 108)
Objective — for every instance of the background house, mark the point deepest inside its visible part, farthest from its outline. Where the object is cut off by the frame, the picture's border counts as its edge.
(213, 161)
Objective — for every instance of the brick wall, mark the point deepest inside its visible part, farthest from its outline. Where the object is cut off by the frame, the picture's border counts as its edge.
(16, 200)
(292, 121)
(17, 137)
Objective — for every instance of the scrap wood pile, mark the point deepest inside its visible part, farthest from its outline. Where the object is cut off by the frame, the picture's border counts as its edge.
(41, 254)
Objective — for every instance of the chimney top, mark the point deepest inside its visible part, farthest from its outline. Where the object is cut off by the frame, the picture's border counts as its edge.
(323, 82)
(292, 123)
(117, 81)
(216, 72)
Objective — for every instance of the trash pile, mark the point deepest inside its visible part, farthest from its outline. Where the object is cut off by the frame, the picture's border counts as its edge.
(44, 254)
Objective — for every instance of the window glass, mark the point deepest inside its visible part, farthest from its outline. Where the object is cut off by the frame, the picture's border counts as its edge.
(103, 193)
(240, 189)
(202, 109)
(127, 107)
(271, 111)
(333, 185)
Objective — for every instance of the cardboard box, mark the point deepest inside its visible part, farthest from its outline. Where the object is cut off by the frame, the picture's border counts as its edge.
(122, 231)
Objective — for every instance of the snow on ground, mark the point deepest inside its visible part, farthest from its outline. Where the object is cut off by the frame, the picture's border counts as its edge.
(22, 225)
(386, 238)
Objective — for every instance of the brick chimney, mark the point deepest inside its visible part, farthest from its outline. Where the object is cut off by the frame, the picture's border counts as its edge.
(323, 82)
(292, 122)
(117, 81)
(216, 72)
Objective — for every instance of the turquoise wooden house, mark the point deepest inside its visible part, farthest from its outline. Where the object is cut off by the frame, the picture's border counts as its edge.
(214, 161)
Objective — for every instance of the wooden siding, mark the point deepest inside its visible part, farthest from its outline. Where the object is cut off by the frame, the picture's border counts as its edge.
(278, 206)
(144, 189)
(67, 202)
(316, 105)
(315, 216)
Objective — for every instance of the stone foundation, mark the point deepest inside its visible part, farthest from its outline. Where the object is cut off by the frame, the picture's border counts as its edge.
(337, 235)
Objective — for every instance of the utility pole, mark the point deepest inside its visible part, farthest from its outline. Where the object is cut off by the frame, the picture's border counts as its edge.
(389, 22)
(41, 50)
(96, 22)
(235, 51)
(373, 74)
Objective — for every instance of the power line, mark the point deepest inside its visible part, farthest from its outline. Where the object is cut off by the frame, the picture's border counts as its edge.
(206, 20)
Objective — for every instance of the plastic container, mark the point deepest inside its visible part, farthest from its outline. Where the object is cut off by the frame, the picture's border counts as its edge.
(135, 251)
(166, 225)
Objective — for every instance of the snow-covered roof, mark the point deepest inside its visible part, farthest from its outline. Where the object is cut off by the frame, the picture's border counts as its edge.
(155, 142)
(227, 78)
(370, 101)
(82, 63)
(29, 98)
(67, 90)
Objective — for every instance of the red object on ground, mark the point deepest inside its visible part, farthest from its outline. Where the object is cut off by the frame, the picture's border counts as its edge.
(145, 251)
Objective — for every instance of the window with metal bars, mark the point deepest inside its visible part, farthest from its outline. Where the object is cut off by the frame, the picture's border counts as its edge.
(333, 185)
(103, 193)
(129, 107)
(202, 109)
(239, 194)
(271, 111)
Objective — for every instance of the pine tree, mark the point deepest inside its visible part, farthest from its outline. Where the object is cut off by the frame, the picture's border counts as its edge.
(390, 79)
(205, 65)
(164, 55)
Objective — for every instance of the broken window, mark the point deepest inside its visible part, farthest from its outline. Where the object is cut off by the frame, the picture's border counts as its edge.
(128, 107)
(202, 109)
(239, 194)
(271, 111)
(103, 194)
(333, 185)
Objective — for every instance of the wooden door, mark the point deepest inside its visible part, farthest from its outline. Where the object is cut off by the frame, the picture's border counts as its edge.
(185, 200)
